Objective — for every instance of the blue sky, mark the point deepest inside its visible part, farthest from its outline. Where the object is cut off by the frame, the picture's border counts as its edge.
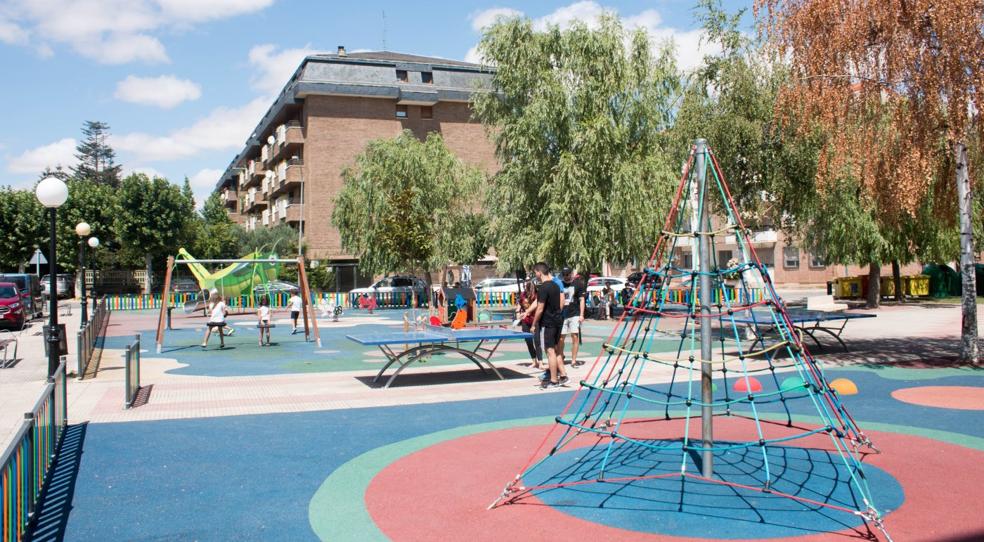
(183, 82)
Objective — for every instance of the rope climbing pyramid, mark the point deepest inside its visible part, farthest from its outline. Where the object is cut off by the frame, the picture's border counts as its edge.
(748, 414)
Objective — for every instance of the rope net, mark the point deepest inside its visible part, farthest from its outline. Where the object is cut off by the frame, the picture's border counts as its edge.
(756, 349)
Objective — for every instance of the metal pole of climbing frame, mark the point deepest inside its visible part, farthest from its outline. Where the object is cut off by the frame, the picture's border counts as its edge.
(705, 246)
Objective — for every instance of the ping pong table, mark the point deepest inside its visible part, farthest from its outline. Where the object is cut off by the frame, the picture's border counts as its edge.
(809, 322)
(435, 339)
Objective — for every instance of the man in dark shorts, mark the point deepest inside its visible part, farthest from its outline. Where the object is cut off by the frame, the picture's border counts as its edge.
(549, 318)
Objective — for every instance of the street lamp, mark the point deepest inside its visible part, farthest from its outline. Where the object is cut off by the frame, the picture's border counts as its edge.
(82, 229)
(52, 193)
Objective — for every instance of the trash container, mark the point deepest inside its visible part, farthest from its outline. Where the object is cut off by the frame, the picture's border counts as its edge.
(916, 286)
(849, 287)
(943, 281)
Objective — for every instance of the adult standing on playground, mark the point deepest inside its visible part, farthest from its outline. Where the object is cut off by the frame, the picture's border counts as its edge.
(548, 320)
(573, 315)
(295, 303)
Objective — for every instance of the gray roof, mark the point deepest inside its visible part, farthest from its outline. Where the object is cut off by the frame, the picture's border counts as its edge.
(403, 57)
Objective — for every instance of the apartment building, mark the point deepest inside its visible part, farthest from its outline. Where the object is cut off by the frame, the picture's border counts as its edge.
(290, 168)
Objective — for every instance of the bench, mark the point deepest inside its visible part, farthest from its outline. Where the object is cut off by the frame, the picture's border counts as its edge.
(6, 340)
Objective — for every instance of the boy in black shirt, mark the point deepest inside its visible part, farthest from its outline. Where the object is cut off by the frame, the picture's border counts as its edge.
(549, 318)
(574, 293)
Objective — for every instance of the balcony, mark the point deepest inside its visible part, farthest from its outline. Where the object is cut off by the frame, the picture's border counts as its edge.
(760, 237)
(254, 202)
(290, 140)
(292, 214)
(230, 198)
(290, 175)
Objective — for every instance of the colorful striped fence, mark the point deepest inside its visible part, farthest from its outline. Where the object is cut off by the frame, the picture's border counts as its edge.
(734, 296)
(25, 464)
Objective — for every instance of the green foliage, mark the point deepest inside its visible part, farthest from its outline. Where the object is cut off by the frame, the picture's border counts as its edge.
(93, 203)
(24, 224)
(280, 239)
(151, 216)
(408, 205)
(577, 116)
(96, 157)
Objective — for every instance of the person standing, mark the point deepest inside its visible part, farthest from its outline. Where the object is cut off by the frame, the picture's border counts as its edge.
(573, 316)
(296, 304)
(263, 319)
(525, 312)
(548, 320)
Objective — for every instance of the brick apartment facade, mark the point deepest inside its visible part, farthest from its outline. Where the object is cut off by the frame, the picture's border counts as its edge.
(335, 104)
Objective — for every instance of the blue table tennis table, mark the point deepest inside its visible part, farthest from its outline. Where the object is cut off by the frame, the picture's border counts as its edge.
(482, 345)
(809, 322)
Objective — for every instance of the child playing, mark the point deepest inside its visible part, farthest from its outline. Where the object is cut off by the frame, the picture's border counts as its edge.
(295, 310)
(216, 320)
(263, 320)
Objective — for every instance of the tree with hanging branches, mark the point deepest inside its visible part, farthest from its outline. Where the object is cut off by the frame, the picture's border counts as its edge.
(579, 119)
(897, 86)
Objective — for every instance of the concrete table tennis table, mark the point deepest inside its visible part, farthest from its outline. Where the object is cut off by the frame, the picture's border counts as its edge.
(809, 322)
(482, 343)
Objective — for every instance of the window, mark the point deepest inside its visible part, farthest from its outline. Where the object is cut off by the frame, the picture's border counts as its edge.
(401, 75)
(426, 112)
(723, 257)
(402, 282)
(817, 262)
(767, 256)
(791, 257)
(688, 261)
(427, 78)
(401, 111)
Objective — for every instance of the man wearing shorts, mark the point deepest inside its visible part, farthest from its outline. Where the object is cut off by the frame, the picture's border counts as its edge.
(549, 320)
(574, 293)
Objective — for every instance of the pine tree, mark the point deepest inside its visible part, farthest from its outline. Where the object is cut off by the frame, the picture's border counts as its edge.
(96, 157)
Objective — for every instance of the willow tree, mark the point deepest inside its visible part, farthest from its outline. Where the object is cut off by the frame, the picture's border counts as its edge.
(577, 117)
(875, 72)
(409, 205)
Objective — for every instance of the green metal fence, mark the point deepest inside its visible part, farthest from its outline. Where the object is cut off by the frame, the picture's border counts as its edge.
(89, 335)
(25, 464)
(131, 364)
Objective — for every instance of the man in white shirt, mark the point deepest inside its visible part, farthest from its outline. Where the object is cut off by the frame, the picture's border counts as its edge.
(216, 320)
(295, 310)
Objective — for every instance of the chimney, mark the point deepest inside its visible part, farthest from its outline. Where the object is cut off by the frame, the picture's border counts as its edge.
(341, 50)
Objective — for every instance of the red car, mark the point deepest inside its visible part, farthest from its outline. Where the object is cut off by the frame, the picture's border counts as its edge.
(11, 306)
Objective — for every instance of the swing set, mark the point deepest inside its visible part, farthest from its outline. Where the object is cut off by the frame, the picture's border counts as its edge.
(259, 270)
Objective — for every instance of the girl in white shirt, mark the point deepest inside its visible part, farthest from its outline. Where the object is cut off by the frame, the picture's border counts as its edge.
(216, 319)
(263, 320)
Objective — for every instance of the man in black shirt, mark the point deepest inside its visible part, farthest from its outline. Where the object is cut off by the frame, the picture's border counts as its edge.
(574, 292)
(549, 317)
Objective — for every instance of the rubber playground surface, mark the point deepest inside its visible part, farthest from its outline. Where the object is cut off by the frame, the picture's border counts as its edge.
(429, 471)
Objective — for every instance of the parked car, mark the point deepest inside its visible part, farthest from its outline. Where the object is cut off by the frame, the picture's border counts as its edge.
(394, 284)
(64, 282)
(30, 291)
(597, 284)
(505, 285)
(12, 313)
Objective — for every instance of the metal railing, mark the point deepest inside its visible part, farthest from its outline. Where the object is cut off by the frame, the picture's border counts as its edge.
(131, 364)
(25, 464)
(88, 336)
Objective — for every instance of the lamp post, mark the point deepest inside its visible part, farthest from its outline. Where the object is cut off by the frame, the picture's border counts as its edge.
(52, 193)
(83, 230)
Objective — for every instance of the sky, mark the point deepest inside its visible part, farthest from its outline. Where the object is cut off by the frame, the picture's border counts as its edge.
(182, 83)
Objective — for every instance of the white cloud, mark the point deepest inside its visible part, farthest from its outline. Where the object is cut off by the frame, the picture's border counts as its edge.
(34, 161)
(197, 10)
(12, 33)
(110, 31)
(223, 129)
(165, 91)
(687, 43)
(481, 19)
(203, 183)
(473, 55)
(275, 67)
